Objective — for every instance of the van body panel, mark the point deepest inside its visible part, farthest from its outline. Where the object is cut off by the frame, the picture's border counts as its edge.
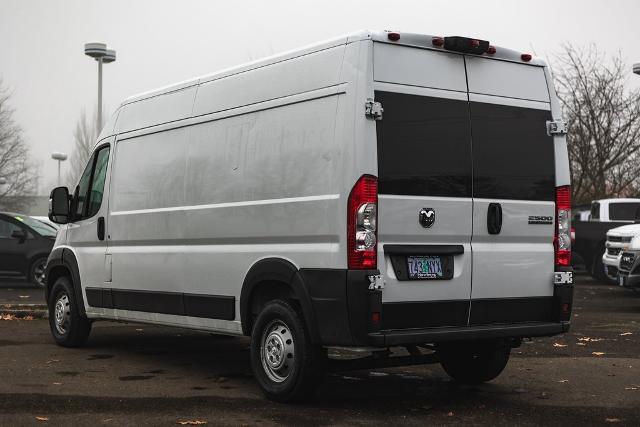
(508, 79)
(163, 108)
(309, 72)
(438, 70)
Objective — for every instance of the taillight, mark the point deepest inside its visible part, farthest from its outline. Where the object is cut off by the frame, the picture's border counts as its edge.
(362, 224)
(562, 241)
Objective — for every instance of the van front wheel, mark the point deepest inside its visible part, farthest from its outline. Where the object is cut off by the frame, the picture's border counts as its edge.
(286, 364)
(68, 327)
(474, 363)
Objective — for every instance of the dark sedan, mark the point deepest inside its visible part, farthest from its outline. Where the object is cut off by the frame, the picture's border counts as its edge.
(25, 244)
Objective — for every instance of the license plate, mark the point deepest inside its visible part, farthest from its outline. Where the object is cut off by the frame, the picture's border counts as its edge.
(425, 267)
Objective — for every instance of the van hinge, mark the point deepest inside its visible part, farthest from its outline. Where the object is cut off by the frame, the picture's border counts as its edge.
(556, 127)
(373, 109)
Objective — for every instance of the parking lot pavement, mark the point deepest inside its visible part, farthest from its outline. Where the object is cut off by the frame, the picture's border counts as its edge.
(138, 374)
(14, 292)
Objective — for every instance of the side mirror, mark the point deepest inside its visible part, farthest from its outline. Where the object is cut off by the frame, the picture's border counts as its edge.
(19, 234)
(59, 205)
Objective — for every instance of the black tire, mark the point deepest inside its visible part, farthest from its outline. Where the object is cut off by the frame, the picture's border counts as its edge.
(474, 363)
(36, 271)
(291, 372)
(68, 327)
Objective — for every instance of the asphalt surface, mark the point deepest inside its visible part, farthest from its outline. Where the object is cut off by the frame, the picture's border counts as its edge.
(144, 375)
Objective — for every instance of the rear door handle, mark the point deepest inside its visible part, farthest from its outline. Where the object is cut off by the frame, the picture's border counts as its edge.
(494, 218)
(101, 228)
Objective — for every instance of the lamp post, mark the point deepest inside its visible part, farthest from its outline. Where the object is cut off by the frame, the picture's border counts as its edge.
(60, 157)
(100, 53)
(636, 68)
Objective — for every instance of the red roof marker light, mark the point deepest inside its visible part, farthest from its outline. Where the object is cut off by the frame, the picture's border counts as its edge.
(437, 41)
(526, 57)
(491, 50)
(394, 37)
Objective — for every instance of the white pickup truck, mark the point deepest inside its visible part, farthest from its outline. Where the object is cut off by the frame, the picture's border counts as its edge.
(623, 253)
(591, 249)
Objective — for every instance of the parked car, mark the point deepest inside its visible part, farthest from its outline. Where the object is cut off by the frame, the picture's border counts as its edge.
(46, 221)
(591, 235)
(25, 244)
(326, 198)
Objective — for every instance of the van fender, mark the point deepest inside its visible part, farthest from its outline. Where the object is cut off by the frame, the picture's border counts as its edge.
(282, 271)
(64, 257)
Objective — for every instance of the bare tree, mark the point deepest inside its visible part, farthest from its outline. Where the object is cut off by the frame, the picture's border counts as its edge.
(84, 137)
(604, 123)
(18, 176)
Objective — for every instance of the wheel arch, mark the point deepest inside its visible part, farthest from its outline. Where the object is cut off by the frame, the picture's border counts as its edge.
(63, 262)
(275, 277)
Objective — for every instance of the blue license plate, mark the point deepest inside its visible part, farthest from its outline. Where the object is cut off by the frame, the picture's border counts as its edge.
(425, 267)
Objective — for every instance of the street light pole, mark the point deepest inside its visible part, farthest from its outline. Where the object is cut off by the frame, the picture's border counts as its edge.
(636, 68)
(99, 120)
(100, 53)
(60, 157)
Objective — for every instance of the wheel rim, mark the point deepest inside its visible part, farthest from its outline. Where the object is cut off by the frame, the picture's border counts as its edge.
(38, 272)
(62, 314)
(277, 351)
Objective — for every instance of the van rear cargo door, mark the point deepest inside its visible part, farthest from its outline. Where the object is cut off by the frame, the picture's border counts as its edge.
(513, 193)
(424, 187)
(424, 173)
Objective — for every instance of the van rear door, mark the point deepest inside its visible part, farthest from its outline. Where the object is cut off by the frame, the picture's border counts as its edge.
(513, 192)
(424, 186)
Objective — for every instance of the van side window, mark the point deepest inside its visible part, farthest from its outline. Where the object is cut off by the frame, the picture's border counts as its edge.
(80, 196)
(97, 182)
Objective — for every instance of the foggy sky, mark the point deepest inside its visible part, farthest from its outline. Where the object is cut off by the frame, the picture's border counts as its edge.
(159, 42)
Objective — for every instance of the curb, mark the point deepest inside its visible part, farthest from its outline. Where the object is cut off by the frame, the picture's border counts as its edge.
(36, 311)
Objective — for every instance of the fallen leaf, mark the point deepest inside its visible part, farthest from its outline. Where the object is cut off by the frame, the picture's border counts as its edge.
(450, 414)
(192, 423)
(633, 387)
(612, 420)
(557, 344)
(57, 383)
(563, 381)
(597, 353)
(624, 334)
(27, 318)
(580, 343)
(42, 418)
(24, 296)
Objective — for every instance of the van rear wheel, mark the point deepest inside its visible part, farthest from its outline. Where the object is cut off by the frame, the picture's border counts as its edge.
(286, 364)
(474, 363)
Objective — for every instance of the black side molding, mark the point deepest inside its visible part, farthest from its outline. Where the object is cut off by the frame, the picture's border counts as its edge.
(423, 249)
(193, 305)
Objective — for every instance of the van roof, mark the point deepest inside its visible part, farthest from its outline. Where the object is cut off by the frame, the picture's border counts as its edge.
(424, 41)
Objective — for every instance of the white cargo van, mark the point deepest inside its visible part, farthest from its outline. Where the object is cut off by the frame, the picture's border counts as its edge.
(378, 190)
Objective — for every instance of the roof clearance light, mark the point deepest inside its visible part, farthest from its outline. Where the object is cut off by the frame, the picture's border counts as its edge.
(526, 57)
(394, 37)
(437, 41)
(491, 50)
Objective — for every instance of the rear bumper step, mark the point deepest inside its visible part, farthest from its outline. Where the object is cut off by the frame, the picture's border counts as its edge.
(417, 336)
